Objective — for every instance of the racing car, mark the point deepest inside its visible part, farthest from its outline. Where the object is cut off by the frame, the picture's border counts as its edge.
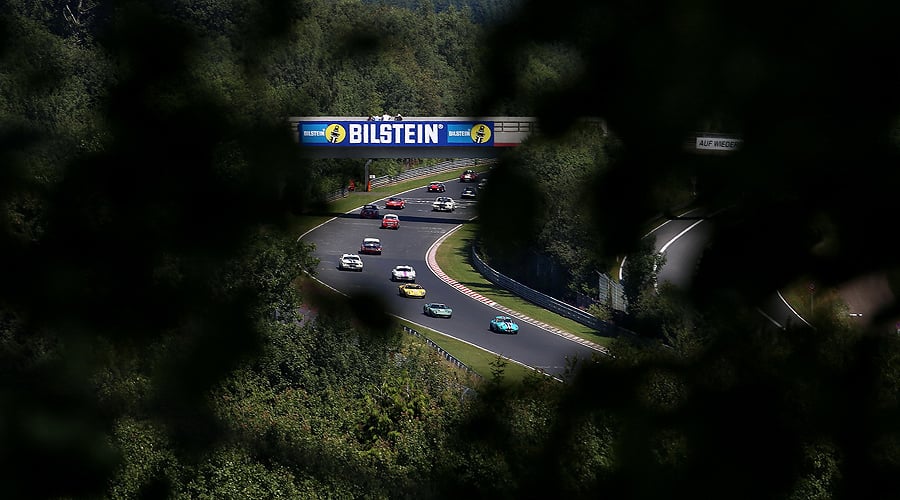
(468, 176)
(436, 187)
(390, 221)
(396, 203)
(443, 204)
(503, 324)
(411, 290)
(351, 262)
(437, 310)
(403, 273)
(369, 212)
(370, 246)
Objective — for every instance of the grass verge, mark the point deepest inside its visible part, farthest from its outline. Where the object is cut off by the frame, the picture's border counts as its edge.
(453, 258)
(476, 358)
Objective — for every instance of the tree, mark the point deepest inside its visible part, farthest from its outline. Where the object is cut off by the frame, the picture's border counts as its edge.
(641, 269)
(139, 272)
(641, 74)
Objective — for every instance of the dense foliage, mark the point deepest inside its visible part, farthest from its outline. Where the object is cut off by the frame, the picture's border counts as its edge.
(150, 338)
(547, 185)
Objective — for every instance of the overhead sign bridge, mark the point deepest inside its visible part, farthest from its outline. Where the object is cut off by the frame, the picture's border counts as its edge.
(409, 137)
(441, 137)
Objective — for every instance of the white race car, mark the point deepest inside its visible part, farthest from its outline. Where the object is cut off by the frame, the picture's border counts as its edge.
(350, 261)
(443, 204)
(403, 273)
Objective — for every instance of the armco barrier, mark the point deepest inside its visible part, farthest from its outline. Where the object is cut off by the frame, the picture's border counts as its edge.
(416, 173)
(545, 301)
(449, 357)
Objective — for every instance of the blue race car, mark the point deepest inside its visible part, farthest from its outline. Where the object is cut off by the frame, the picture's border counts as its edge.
(503, 324)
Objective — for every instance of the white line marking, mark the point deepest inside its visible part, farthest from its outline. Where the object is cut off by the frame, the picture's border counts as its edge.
(679, 235)
(668, 221)
(769, 318)
(791, 308)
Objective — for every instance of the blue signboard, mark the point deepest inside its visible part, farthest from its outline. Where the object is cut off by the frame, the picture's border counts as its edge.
(396, 133)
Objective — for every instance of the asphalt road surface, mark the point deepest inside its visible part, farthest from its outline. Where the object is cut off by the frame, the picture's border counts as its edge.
(420, 227)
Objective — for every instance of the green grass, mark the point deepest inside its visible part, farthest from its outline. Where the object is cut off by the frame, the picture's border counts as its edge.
(476, 358)
(453, 259)
(472, 356)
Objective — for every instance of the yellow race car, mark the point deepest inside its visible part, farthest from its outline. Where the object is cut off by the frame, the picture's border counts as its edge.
(413, 290)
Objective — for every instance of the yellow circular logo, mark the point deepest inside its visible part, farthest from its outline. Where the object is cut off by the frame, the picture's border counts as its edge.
(480, 133)
(335, 133)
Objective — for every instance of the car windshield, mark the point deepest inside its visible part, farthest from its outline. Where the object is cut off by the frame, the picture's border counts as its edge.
(413, 286)
(438, 306)
(404, 268)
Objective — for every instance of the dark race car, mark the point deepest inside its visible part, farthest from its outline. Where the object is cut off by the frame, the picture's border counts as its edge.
(436, 187)
(370, 246)
(469, 192)
(369, 212)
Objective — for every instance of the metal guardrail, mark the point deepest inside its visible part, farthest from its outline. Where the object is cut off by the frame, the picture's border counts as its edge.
(609, 289)
(449, 357)
(611, 292)
(545, 301)
(416, 173)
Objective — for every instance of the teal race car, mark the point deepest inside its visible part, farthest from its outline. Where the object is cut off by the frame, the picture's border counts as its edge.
(503, 324)
(436, 310)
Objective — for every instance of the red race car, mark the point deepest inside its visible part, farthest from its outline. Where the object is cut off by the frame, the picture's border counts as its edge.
(396, 203)
(468, 176)
(390, 221)
(436, 187)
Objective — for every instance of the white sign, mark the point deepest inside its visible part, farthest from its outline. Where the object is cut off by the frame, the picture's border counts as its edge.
(719, 143)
